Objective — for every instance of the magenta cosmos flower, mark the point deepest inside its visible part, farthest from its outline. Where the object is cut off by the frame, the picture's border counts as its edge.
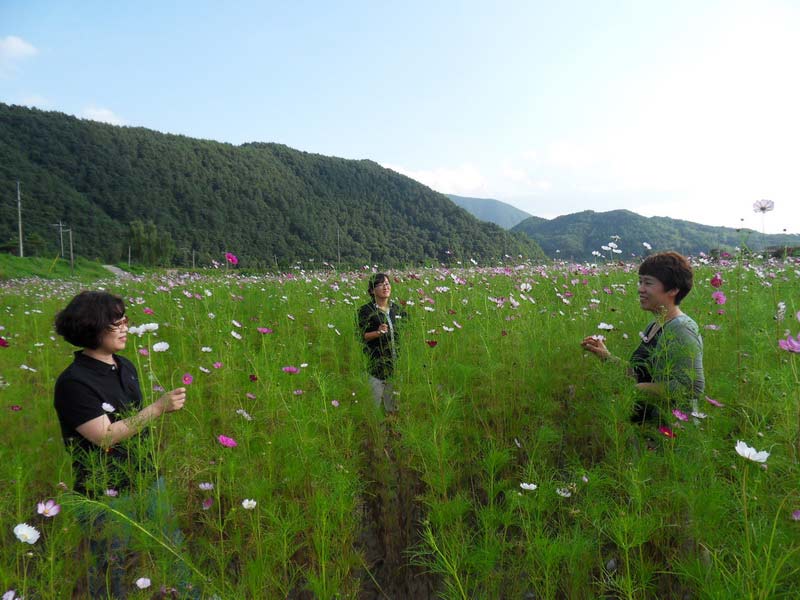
(3, 342)
(716, 281)
(263, 330)
(231, 258)
(719, 297)
(187, 379)
(290, 369)
(790, 344)
(226, 441)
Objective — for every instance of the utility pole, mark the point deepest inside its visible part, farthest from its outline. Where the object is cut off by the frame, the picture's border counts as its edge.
(19, 217)
(60, 226)
(71, 258)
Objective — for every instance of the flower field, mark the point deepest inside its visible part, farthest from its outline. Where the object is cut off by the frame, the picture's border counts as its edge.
(511, 470)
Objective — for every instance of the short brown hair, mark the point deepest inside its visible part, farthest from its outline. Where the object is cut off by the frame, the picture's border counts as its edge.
(672, 270)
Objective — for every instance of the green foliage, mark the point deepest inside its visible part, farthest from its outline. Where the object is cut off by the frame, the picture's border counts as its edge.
(266, 203)
(13, 267)
(575, 236)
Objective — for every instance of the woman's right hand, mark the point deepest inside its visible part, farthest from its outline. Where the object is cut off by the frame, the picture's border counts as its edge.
(596, 346)
(383, 328)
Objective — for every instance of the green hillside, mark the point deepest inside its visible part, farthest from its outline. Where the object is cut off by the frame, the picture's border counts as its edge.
(577, 235)
(169, 196)
(494, 211)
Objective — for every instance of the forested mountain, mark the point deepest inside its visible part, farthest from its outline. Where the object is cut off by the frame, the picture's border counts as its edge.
(168, 195)
(577, 235)
(494, 211)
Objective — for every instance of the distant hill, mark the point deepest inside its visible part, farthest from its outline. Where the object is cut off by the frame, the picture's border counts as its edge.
(577, 235)
(169, 197)
(494, 211)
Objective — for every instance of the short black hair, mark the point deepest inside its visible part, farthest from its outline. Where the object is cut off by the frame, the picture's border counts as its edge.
(374, 281)
(672, 270)
(87, 317)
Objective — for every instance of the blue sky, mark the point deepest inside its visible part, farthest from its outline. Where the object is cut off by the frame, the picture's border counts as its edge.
(680, 109)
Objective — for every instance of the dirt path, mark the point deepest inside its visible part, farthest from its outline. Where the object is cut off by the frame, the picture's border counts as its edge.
(117, 271)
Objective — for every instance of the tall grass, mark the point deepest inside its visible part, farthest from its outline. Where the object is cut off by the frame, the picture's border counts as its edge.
(350, 504)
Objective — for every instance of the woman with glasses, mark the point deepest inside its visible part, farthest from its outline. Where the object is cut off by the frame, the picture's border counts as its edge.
(99, 405)
(377, 322)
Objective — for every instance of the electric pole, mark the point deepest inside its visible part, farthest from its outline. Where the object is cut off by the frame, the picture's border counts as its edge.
(19, 218)
(60, 226)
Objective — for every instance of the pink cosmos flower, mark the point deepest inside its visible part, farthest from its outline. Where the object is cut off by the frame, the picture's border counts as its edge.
(719, 297)
(48, 509)
(335, 403)
(144, 351)
(290, 369)
(716, 281)
(790, 344)
(112, 493)
(796, 515)
(298, 392)
(666, 431)
(713, 402)
(16, 407)
(263, 330)
(680, 415)
(250, 396)
(227, 442)
(217, 365)
(148, 311)
(231, 258)
(188, 379)
(208, 503)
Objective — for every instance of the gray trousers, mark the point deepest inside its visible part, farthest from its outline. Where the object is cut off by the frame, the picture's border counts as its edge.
(383, 394)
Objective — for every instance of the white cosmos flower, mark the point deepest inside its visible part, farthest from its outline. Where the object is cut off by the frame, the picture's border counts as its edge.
(236, 323)
(236, 334)
(647, 246)
(563, 492)
(248, 504)
(143, 583)
(160, 347)
(529, 487)
(606, 326)
(206, 349)
(750, 453)
(26, 533)
(107, 407)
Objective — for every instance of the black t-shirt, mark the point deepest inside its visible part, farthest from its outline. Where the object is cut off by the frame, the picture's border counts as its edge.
(381, 350)
(641, 360)
(88, 389)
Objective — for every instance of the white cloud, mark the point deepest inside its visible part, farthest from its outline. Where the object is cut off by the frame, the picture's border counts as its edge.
(464, 180)
(104, 115)
(12, 50)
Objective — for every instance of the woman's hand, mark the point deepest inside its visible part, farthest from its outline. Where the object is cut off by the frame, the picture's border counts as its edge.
(383, 328)
(173, 400)
(596, 346)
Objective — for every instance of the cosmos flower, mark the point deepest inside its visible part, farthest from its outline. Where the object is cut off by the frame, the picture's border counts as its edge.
(227, 441)
(160, 347)
(231, 258)
(716, 280)
(187, 379)
(666, 431)
(217, 365)
(143, 583)
(147, 311)
(790, 344)
(564, 492)
(26, 533)
(606, 326)
(290, 369)
(107, 407)
(206, 349)
(144, 351)
(236, 334)
(680, 415)
(335, 403)
(647, 246)
(48, 508)
(719, 297)
(207, 503)
(749, 453)
(763, 206)
(431, 343)
(528, 487)
(253, 377)
(244, 414)
(263, 330)
(112, 493)
(206, 486)
(248, 504)
(3, 342)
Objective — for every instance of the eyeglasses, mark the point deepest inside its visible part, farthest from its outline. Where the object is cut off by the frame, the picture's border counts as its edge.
(117, 325)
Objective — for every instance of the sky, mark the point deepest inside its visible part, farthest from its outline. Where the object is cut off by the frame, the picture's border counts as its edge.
(684, 109)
